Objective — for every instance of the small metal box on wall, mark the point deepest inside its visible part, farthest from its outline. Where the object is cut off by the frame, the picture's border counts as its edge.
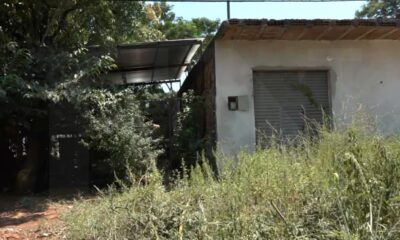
(238, 103)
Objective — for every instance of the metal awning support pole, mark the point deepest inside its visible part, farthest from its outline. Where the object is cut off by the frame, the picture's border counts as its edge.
(228, 9)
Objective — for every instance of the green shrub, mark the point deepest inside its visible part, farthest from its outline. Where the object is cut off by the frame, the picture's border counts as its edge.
(343, 185)
(117, 127)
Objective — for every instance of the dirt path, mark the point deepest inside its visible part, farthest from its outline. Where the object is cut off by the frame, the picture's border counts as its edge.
(31, 218)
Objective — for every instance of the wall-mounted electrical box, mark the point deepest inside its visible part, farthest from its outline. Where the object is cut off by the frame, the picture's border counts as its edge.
(238, 103)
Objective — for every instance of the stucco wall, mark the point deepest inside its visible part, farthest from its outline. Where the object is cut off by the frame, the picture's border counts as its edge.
(360, 72)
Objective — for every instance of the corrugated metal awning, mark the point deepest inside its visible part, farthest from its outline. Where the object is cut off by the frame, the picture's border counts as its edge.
(153, 62)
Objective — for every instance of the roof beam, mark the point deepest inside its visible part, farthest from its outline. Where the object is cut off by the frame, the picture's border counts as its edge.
(345, 33)
(388, 33)
(133, 69)
(365, 34)
(239, 31)
(305, 30)
(323, 33)
(150, 83)
(285, 28)
(262, 29)
(160, 44)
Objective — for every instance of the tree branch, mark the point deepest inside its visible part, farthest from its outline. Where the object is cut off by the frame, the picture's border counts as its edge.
(61, 24)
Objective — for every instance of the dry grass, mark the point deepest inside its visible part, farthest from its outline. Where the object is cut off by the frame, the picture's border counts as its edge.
(343, 185)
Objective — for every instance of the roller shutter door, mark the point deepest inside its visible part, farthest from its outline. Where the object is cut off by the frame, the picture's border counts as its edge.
(283, 100)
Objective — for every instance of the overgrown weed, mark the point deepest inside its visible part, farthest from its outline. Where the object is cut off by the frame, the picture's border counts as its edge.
(345, 184)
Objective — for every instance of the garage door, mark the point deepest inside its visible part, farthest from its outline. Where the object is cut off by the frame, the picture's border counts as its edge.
(284, 101)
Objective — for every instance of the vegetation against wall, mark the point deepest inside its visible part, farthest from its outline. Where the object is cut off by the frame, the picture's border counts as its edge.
(189, 144)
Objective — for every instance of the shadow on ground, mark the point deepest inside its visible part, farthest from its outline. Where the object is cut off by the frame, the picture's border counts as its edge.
(35, 216)
(15, 220)
(16, 209)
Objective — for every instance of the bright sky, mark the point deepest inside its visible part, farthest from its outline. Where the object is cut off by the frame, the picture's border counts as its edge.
(271, 10)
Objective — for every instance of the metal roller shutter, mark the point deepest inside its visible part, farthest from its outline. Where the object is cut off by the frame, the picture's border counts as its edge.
(284, 99)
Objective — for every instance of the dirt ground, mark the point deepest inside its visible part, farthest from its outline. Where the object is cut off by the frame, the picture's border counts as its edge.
(31, 217)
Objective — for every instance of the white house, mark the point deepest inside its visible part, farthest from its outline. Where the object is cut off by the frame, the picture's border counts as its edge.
(267, 74)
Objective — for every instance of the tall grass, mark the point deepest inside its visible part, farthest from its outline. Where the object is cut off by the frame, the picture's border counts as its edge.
(341, 185)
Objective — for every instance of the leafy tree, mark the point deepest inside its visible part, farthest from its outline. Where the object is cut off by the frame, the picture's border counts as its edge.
(380, 9)
(178, 28)
(45, 43)
(172, 27)
(197, 27)
(45, 61)
(74, 23)
(47, 58)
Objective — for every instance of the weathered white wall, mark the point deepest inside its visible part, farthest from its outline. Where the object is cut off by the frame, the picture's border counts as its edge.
(361, 72)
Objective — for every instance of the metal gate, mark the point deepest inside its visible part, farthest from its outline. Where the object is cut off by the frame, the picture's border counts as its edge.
(285, 101)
